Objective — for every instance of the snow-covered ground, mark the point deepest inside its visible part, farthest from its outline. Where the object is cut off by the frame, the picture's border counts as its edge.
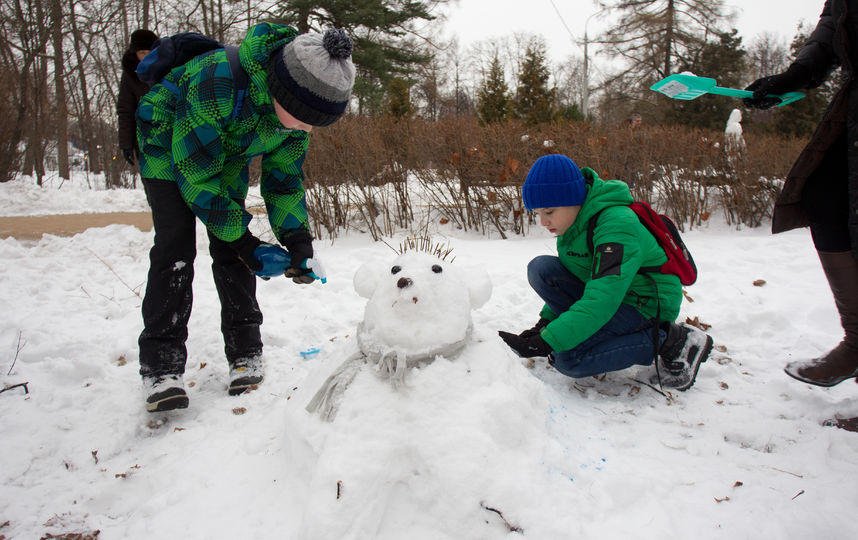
(481, 446)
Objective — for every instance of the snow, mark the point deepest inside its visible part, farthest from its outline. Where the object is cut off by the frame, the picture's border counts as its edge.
(468, 447)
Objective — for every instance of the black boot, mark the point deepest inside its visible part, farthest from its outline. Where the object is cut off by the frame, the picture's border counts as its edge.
(681, 354)
(841, 363)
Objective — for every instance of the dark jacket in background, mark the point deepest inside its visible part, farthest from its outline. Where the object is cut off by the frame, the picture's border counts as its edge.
(131, 89)
(815, 179)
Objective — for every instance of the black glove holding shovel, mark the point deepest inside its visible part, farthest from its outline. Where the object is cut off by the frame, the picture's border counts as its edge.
(528, 343)
(794, 78)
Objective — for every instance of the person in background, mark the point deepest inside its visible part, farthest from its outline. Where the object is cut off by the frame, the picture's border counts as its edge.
(131, 89)
(599, 309)
(821, 189)
(195, 152)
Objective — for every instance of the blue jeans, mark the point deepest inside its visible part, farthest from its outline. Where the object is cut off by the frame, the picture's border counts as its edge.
(625, 340)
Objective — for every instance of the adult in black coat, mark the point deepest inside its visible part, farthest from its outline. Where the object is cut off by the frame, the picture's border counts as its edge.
(131, 89)
(821, 189)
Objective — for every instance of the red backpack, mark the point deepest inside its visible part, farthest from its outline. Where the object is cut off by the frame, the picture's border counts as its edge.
(679, 260)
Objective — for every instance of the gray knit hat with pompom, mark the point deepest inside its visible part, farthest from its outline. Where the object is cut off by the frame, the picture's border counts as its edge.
(312, 76)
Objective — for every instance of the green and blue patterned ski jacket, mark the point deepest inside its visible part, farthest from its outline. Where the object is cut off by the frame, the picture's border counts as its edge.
(187, 134)
(622, 245)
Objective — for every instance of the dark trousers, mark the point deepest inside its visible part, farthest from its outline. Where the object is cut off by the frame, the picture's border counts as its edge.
(169, 292)
(625, 340)
(825, 200)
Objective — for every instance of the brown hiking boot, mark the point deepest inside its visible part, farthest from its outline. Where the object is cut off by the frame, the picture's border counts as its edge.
(849, 424)
(841, 363)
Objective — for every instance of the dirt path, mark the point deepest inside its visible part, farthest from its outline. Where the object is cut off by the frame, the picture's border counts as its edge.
(33, 227)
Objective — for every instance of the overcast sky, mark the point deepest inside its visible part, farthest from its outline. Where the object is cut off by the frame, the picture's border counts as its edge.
(477, 20)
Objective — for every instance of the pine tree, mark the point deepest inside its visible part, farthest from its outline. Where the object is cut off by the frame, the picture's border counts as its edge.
(399, 98)
(379, 29)
(493, 101)
(534, 100)
(724, 61)
(655, 37)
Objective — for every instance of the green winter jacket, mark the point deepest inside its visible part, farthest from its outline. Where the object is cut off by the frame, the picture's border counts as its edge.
(186, 134)
(622, 245)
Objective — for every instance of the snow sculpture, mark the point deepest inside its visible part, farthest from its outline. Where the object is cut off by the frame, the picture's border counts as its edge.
(734, 141)
(419, 307)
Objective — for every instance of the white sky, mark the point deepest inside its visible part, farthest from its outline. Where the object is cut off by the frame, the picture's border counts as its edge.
(477, 20)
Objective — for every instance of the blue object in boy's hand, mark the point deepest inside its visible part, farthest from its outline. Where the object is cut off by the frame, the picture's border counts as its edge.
(274, 260)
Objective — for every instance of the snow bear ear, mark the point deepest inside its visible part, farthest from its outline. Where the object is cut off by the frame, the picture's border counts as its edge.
(479, 287)
(367, 277)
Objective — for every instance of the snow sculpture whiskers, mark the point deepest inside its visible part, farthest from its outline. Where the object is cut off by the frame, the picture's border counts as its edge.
(418, 308)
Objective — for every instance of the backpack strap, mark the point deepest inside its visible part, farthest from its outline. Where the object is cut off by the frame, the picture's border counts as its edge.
(646, 271)
(239, 78)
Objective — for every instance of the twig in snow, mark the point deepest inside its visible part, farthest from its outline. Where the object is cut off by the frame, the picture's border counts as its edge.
(797, 494)
(510, 526)
(127, 286)
(339, 489)
(651, 386)
(783, 471)
(18, 350)
(23, 384)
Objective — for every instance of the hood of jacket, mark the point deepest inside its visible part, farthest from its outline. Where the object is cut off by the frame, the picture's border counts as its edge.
(129, 62)
(600, 195)
(254, 53)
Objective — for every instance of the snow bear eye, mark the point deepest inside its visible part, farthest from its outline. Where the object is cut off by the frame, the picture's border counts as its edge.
(437, 269)
(395, 269)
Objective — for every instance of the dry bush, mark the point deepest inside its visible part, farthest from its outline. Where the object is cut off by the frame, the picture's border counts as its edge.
(358, 172)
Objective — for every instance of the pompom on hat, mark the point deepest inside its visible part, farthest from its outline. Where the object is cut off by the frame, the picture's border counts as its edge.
(312, 76)
(553, 180)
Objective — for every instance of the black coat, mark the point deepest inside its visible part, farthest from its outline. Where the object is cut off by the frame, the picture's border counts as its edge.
(131, 89)
(834, 42)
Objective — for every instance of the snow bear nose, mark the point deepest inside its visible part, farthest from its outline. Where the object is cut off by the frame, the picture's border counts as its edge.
(404, 282)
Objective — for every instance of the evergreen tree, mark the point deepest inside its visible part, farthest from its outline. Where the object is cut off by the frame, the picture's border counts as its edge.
(655, 37)
(534, 101)
(723, 61)
(378, 28)
(399, 98)
(493, 100)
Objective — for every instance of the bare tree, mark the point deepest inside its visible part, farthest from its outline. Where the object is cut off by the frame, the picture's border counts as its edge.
(768, 54)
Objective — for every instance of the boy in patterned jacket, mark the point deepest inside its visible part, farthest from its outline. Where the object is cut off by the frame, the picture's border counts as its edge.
(195, 156)
(600, 310)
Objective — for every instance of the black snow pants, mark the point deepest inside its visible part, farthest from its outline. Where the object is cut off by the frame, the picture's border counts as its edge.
(169, 294)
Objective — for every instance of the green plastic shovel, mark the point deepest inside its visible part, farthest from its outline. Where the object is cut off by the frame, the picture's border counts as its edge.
(684, 86)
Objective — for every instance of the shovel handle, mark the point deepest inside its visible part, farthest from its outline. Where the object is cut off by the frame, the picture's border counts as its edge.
(786, 99)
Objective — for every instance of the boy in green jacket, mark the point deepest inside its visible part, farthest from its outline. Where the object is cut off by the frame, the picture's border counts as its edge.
(196, 146)
(599, 310)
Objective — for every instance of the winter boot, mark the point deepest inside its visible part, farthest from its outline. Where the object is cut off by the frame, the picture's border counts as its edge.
(841, 363)
(681, 354)
(849, 424)
(166, 392)
(245, 374)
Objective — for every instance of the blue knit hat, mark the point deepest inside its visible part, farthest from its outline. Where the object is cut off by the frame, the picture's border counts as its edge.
(552, 181)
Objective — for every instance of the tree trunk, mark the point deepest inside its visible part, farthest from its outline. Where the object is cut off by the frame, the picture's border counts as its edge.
(61, 118)
(85, 120)
(668, 36)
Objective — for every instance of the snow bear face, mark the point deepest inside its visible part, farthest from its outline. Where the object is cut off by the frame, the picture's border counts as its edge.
(417, 303)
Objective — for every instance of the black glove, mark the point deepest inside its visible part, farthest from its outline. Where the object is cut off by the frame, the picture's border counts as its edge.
(794, 78)
(244, 247)
(530, 332)
(300, 247)
(130, 156)
(526, 346)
